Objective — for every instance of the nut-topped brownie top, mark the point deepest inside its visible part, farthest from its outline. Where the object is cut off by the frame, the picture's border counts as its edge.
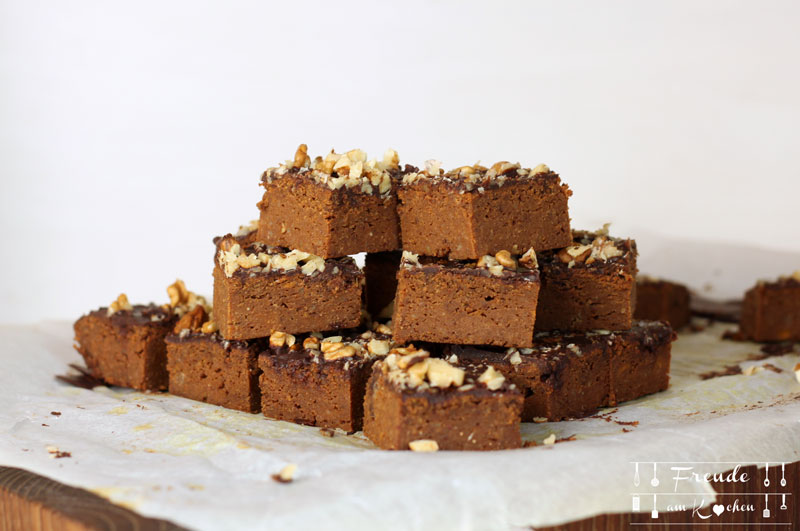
(783, 281)
(350, 170)
(593, 250)
(412, 369)
(259, 258)
(502, 265)
(348, 347)
(122, 312)
(480, 178)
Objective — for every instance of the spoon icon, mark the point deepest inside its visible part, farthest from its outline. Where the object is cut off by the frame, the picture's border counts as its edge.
(783, 475)
(766, 475)
(654, 481)
(636, 476)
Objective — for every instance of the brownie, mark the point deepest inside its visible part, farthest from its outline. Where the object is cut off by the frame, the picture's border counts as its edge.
(474, 211)
(588, 285)
(334, 206)
(320, 381)
(571, 375)
(662, 300)
(413, 399)
(380, 272)
(246, 235)
(771, 310)
(488, 302)
(260, 289)
(206, 367)
(123, 344)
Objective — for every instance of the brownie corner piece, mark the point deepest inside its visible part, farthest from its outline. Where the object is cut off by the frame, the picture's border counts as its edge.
(260, 289)
(320, 381)
(771, 310)
(205, 367)
(589, 285)
(412, 397)
(641, 359)
(334, 206)
(489, 302)
(123, 344)
(661, 300)
(473, 211)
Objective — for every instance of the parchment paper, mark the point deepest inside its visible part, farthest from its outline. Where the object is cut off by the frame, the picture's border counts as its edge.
(206, 467)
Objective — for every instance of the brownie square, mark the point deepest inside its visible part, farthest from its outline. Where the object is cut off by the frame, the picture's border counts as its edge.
(413, 399)
(640, 360)
(331, 207)
(661, 300)
(124, 345)
(260, 289)
(589, 285)
(560, 376)
(491, 302)
(473, 211)
(208, 368)
(771, 310)
(380, 272)
(319, 381)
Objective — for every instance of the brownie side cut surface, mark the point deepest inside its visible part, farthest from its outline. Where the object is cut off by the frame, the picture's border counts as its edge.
(259, 290)
(412, 398)
(640, 360)
(589, 285)
(332, 207)
(126, 347)
(491, 302)
(207, 368)
(661, 300)
(474, 211)
(771, 310)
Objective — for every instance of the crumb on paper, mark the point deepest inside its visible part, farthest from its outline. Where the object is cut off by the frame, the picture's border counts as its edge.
(327, 432)
(550, 439)
(55, 453)
(55, 413)
(752, 369)
(729, 370)
(773, 368)
(286, 475)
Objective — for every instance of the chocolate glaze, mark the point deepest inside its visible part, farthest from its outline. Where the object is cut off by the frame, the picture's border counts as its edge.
(227, 344)
(431, 265)
(140, 315)
(548, 180)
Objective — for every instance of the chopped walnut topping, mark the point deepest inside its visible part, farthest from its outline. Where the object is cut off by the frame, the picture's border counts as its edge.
(311, 343)
(192, 320)
(231, 257)
(424, 445)
(383, 328)
(474, 177)
(442, 374)
(752, 369)
(505, 259)
(414, 368)
(378, 347)
(209, 327)
(410, 260)
(181, 300)
(492, 378)
(339, 351)
(514, 357)
(528, 260)
(121, 303)
(350, 170)
(602, 248)
(280, 339)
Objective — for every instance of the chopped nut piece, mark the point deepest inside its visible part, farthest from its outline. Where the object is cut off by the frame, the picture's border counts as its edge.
(529, 260)
(342, 351)
(487, 261)
(409, 356)
(192, 320)
(424, 445)
(301, 158)
(410, 259)
(209, 327)
(279, 339)
(177, 293)
(378, 346)
(383, 329)
(120, 304)
(515, 358)
(492, 378)
(286, 475)
(442, 374)
(504, 259)
(311, 343)
(539, 420)
(550, 439)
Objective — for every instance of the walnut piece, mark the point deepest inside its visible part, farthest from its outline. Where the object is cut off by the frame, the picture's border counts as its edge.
(528, 260)
(280, 339)
(192, 320)
(441, 374)
(492, 378)
(286, 475)
(121, 303)
(424, 445)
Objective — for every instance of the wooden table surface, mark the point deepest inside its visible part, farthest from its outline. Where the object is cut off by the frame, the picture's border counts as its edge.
(32, 502)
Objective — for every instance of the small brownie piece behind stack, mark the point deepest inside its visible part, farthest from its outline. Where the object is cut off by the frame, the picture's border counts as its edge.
(320, 381)
(206, 367)
(588, 285)
(662, 300)
(124, 345)
(474, 211)
(771, 310)
(260, 289)
(414, 400)
(491, 302)
(572, 375)
(333, 206)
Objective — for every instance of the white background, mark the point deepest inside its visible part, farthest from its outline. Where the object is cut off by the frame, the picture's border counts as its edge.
(130, 134)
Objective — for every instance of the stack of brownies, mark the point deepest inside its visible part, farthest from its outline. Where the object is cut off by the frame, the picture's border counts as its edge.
(477, 308)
